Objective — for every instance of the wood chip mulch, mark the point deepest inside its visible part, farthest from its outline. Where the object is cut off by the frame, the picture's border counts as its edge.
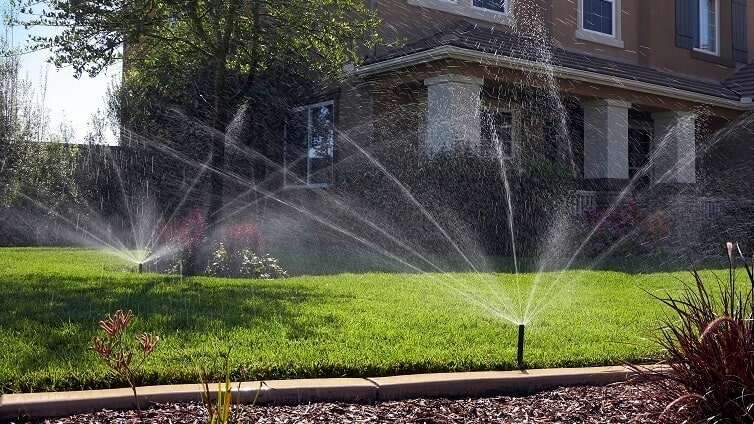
(616, 403)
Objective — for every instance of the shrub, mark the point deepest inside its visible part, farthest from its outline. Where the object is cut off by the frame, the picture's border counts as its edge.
(244, 263)
(710, 343)
(237, 253)
(456, 195)
(627, 228)
(233, 251)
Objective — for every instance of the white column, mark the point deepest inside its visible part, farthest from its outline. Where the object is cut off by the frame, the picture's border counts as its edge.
(674, 157)
(606, 139)
(453, 112)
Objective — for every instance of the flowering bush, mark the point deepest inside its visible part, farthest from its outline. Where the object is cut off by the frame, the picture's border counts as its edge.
(626, 228)
(233, 251)
(244, 234)
(189, 233)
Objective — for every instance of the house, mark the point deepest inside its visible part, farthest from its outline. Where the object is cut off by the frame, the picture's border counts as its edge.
(629, 94)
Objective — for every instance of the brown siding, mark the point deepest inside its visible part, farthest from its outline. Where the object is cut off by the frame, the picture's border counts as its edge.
(647, 31)
(404, 23)
(565, 23)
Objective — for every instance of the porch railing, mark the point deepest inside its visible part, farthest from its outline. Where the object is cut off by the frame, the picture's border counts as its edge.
(712, 208)
(583, 201)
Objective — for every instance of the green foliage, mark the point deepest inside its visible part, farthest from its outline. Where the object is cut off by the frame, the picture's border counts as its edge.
(221, 411)
(243, 263)
(34, 162)
(170, 36)
(213, 52)
(256, 266)
(709, 338)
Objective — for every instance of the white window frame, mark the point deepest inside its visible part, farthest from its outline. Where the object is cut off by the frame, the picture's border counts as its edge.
(716, 52)
(492, 107)
(308, 184)
(613, 39)
(466, 8)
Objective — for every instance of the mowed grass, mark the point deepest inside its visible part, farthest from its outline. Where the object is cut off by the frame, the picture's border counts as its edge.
(349, 324)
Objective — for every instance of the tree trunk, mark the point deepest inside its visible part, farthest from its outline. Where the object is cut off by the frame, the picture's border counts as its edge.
(217, 153)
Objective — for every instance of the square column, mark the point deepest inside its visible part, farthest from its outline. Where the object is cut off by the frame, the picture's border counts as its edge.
(453, 112)
(606, 139)
(674, 158)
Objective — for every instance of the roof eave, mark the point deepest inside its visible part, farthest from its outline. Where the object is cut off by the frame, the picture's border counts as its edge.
(452, 52)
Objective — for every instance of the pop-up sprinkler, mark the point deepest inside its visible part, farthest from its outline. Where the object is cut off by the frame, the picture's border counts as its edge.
(520, 357)
(141, 267)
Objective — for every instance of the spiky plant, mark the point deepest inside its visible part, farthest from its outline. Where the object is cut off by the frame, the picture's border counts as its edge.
(710, 343)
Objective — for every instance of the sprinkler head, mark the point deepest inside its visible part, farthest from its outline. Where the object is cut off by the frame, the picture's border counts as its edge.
(141, 267)
(520, 356)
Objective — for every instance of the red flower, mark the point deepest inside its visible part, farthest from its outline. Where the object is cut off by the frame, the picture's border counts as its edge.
(118, 323)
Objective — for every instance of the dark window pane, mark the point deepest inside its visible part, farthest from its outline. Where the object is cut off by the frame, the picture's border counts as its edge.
(639, 141)
(498, 5)
(598, 16)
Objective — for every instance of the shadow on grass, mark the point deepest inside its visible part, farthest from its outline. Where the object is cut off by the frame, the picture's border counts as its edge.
(333, 262)
(51, 319)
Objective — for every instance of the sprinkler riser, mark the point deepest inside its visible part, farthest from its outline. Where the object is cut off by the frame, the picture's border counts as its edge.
(141, 267)
(520, 356)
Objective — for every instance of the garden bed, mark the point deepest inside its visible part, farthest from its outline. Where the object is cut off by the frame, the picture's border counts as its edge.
(615, 403)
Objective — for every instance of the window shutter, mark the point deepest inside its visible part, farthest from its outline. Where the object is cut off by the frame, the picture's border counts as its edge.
(738, 25)
(686, 23)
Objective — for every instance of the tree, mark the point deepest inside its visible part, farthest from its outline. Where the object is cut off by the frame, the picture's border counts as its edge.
(167, 43)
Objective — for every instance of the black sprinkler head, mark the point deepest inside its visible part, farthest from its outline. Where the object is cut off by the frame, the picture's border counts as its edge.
(520, 356)
(141, 267)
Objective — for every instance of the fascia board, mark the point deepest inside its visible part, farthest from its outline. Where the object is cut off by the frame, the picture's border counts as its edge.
(452, 52)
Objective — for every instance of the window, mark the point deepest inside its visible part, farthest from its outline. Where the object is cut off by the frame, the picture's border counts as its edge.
(599, 16)
(697, 26)
(497, 133)
(599, 22)
(497, 5)
(707, 31)
(309, 137)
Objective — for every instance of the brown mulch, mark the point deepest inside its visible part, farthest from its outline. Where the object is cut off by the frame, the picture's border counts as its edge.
(616, 403)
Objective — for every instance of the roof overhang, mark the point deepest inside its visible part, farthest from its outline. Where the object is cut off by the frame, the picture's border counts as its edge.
(489, 59)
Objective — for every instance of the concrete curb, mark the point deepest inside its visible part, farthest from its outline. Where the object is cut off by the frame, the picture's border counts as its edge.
(485, 383)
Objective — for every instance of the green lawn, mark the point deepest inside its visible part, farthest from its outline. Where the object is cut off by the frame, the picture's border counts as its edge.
(338, 325)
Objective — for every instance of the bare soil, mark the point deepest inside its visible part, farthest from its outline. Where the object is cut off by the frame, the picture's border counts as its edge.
(616, 403)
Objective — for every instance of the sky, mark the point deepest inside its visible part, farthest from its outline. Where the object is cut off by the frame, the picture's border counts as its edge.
(69, 101)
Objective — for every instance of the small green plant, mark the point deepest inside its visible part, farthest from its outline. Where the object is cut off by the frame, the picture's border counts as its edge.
(222, 410)
(125, 359)
(710, 342)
